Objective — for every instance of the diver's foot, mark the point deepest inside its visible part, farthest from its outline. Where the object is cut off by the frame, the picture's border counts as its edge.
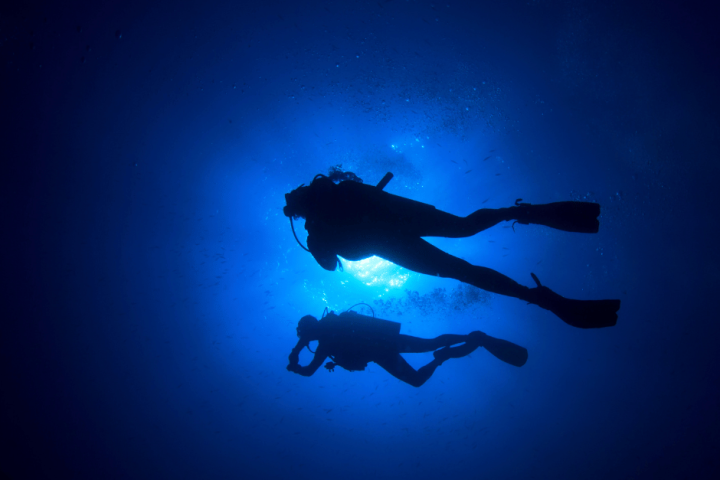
(577, 313)
(477, 338)
(442, 355)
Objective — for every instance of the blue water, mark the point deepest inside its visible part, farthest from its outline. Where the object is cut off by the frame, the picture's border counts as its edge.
(152, 284)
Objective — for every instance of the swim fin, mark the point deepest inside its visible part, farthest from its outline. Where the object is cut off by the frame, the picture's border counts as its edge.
(577, 313)
(446, 353)
(506, 351)
(578, 217)
(503, 350)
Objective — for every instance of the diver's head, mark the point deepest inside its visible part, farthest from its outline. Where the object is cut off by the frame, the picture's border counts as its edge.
(296, 202)
(307, 326)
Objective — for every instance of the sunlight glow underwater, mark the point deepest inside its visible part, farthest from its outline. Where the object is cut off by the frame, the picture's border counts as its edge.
(375, 271)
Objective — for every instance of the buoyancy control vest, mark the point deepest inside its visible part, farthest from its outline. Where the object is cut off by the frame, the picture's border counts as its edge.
(353, 339)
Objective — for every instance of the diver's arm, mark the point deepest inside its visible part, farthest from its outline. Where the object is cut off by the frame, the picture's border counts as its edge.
(326, 260)
(320, 356)
(294, 356)
(319, 248)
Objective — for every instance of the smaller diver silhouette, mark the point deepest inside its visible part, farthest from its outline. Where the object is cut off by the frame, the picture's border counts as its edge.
(356, 221)
(353, 340)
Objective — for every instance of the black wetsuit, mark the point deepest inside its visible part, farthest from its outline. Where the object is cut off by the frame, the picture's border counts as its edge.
(357, 221)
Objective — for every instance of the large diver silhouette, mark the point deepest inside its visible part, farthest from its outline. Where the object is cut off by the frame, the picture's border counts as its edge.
(356, 221)
(352, 341)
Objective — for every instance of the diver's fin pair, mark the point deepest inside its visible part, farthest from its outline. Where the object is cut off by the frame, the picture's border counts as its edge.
(578, 217)
(503, 350)
(577, 313)
(446, 353)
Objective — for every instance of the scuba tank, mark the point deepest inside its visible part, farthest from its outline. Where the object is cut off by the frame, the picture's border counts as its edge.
(294, 199)
(357, 337)
(355, 325)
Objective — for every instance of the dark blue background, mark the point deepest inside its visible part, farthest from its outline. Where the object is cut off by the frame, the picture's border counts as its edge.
(151, 284)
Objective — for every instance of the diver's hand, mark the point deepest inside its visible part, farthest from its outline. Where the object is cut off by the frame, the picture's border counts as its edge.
(330, 366)
(322, 250)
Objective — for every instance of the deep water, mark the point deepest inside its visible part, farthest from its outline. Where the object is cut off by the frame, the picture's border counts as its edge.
(152, 284)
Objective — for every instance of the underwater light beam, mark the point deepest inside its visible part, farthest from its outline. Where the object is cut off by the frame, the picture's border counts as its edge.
(375, 271)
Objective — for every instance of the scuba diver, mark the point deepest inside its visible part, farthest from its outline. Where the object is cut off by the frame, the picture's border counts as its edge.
(356, 221)
(352, 341)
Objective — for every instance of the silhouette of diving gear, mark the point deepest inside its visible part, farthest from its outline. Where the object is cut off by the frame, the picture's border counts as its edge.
(297, 197)
(352, 340)
(355, 337)
(295, 200)
(358, 337)
(356, 221)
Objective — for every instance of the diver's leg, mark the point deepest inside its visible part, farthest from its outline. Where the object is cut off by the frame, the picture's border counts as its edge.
(420, 256)
(506, 351)
(436, 223)
(455, 352)
(568, 216)
(398, 367)
(410, 344)
(488, 217)
(409, 217)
